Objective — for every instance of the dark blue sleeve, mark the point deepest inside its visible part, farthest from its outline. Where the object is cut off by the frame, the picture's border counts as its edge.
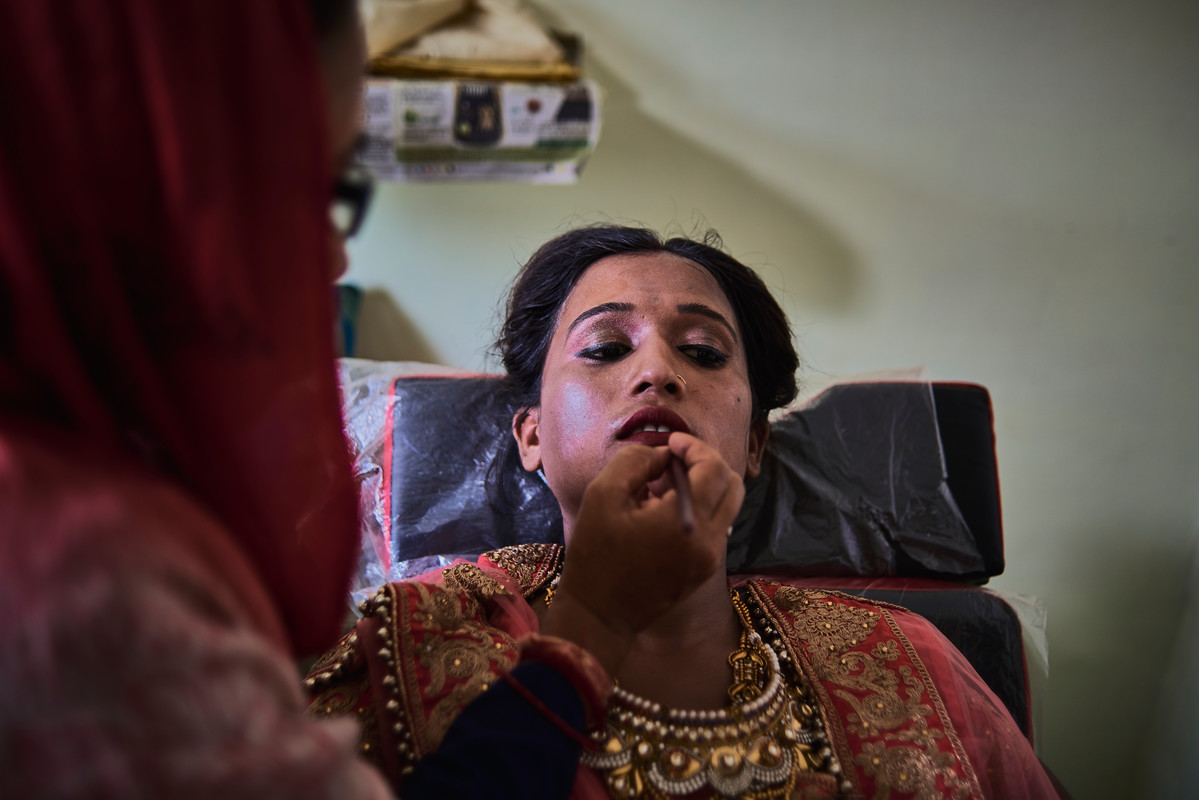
(500, 746)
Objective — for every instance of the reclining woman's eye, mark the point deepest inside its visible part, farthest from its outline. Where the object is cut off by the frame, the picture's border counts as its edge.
(608, 351)
(703, 355)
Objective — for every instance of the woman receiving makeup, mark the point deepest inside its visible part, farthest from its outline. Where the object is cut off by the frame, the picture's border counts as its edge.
(645, 370)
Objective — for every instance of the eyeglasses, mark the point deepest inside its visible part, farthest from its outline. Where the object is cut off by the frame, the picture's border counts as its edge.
(351, 200)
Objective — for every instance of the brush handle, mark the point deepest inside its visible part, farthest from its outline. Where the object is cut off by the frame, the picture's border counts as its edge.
(683, 488)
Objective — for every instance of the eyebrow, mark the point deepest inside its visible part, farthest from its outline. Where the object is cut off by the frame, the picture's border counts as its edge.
(625, 308)
(602, 308)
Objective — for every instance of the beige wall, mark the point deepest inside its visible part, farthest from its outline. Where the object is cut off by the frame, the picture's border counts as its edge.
(1006, 193)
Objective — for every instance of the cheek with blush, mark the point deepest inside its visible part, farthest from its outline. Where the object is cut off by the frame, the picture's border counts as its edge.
(577, 411)
(573, 439)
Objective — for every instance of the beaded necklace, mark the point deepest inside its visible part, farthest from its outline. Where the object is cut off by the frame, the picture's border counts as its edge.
(770, 732)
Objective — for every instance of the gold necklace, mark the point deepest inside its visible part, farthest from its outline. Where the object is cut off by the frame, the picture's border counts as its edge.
(769, 733)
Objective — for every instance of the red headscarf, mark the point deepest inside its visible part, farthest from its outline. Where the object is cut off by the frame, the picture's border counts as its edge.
(164, 276)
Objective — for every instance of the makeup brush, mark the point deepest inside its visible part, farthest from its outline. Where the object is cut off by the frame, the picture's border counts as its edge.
(686, 512)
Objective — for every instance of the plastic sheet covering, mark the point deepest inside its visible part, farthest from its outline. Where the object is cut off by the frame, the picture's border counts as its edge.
(852, 483)
(1035, 630)
(366, 388)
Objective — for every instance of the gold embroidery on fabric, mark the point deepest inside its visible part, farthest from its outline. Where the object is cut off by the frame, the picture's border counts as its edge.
(464, 586)
(532, 565)
(455, 658)
(335, 659)
(442, 609)
(889, 712)
(908, 770)
(459, 649)
(368, 739)
(469, 579)
(333, 702)
(336, 687)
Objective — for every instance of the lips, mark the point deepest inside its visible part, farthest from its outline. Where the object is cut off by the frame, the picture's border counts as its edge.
(651, 426)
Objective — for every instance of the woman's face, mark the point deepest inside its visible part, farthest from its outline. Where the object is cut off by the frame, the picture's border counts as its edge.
(645, 344)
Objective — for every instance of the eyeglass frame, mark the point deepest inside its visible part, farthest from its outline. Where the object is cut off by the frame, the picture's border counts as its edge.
(353, 190)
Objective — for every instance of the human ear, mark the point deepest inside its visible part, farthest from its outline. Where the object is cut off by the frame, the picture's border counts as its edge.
(759, 432)
(526, 430)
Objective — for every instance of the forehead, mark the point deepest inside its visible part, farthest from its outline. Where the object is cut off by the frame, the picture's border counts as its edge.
(648, 281)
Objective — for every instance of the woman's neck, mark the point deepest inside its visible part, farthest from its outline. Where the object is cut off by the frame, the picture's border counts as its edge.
(681, 660)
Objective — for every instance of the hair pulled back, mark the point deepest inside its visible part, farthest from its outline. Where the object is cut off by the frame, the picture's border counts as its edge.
(543, 284)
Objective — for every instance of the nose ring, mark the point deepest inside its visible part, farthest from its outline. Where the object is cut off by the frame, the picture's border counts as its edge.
(682, 379)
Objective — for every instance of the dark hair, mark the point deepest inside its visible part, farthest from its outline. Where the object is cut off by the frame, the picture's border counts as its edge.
(547, 278)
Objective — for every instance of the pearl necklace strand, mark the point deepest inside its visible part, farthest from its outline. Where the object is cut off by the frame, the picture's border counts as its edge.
(758, 744)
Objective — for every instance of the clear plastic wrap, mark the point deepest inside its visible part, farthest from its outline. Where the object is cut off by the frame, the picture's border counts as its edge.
(367, 406)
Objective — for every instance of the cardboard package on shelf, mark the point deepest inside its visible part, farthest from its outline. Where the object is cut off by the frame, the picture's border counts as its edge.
(463, 130)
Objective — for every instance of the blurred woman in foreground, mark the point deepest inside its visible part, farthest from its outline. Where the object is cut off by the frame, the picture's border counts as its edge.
(177, 514)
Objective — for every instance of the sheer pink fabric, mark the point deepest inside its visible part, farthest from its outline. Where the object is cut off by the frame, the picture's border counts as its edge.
(1003, 758)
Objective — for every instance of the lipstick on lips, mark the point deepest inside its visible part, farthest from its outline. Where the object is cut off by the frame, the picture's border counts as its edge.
(652, 426)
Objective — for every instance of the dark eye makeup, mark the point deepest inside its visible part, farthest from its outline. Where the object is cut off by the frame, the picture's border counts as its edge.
(605, 351)
(607, 340)
(704, 355)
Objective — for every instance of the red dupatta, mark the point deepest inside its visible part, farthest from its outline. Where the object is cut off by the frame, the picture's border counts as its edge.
(164, 275)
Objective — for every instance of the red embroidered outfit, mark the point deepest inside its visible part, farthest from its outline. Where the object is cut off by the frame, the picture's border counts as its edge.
(903, 712)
